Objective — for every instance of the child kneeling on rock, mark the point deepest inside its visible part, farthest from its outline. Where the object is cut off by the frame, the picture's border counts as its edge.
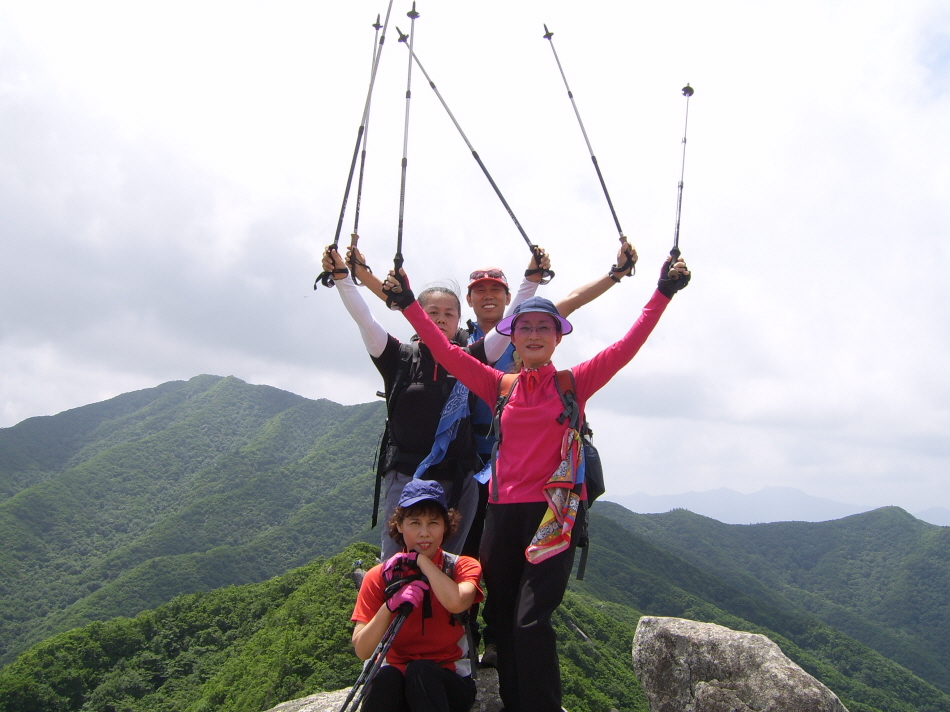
(427, 666)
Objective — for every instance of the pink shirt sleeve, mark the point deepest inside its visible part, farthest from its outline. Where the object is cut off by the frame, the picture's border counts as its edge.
(530, 452)
(593, 374)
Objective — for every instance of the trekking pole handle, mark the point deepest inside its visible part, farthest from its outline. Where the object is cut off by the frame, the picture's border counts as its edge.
(674, 255)
(397, 266)
(354, 238)
(546, 274)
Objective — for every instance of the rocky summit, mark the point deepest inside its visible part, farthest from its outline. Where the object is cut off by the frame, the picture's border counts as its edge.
(687, 666)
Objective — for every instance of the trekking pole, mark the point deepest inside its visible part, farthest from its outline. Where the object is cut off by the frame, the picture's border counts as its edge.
(354, 236)
(397, 258)
(325, 278)
(675, 252)
(547, 275)
(376, 659)
(548, 35)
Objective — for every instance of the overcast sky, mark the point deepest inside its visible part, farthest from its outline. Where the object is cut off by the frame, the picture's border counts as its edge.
(170, 172)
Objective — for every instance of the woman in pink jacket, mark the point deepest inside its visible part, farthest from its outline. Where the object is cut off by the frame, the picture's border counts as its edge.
(527, 552)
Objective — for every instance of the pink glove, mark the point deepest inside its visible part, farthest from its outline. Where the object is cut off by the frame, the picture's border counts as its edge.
(404, 562)
(411, 593)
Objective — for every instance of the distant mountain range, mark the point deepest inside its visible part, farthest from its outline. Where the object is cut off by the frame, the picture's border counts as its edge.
(128, 527)
(772, 504)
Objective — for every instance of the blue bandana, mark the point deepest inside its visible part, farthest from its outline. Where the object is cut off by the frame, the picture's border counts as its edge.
(455, 408)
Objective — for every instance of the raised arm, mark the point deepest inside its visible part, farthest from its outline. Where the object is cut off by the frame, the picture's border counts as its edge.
(478, 377)
(361, 270)
(626, 263)
(374, 335)
(593, 374)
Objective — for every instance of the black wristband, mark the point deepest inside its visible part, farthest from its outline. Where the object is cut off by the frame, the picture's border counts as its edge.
(614, 277)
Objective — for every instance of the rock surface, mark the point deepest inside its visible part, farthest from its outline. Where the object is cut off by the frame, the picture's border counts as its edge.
(486, 701)
(686, 666)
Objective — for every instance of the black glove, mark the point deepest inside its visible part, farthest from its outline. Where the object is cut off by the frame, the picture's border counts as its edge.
(666, 286)
(401, 299)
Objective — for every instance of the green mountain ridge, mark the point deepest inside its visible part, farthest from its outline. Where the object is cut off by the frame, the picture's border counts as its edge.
(881, 576)
(113, 510)
(211, 466)
(633, 571)
(254, 646)
(251, 647)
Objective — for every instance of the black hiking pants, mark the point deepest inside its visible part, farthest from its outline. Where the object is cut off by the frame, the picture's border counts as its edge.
(521, 599)
(426, 687)
(472, 547)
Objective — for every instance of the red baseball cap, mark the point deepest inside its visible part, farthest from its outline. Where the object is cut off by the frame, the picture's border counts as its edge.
(489, 274)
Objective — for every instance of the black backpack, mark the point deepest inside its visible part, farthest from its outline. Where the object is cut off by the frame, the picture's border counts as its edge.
(593, 469)
(387, 453)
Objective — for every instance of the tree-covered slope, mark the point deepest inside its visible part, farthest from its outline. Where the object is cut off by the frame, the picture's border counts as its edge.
(204, 484)
(120, 507)
(881, 577)
(628, 569)
(248, 648)
(39, 448)
(251, 647)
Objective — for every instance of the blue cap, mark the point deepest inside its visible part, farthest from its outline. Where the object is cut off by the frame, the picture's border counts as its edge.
(534, 304)
(419, 490)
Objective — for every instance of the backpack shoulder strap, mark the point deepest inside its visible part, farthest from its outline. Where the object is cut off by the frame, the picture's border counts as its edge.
(565, 388)
(409, 356)
(571, 413)
(565, 381)
(449, 561)
(464, 618)
(506, 386)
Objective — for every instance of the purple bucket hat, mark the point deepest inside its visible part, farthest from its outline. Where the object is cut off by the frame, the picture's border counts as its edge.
(534, 304)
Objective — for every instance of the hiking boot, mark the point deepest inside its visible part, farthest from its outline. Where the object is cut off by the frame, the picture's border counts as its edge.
(490, 656)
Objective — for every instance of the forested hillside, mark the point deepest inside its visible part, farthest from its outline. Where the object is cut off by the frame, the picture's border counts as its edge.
(628, 569)
(882, 577)
(120, 506)
(254, 646)
(250, 647)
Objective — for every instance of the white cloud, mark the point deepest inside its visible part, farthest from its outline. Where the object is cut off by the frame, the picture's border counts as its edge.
(169, 174)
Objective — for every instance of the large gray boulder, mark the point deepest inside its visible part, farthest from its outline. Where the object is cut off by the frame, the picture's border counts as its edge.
(686, 666)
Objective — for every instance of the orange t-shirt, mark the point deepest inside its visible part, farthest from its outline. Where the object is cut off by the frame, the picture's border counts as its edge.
(439, 638)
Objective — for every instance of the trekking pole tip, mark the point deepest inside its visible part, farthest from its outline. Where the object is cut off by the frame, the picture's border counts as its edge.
(412, 14)
(377, 25)
(402, 37)
(687, 91)
(547, 33)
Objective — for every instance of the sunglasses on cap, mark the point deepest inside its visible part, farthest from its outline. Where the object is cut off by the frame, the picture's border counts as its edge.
(487, 274)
